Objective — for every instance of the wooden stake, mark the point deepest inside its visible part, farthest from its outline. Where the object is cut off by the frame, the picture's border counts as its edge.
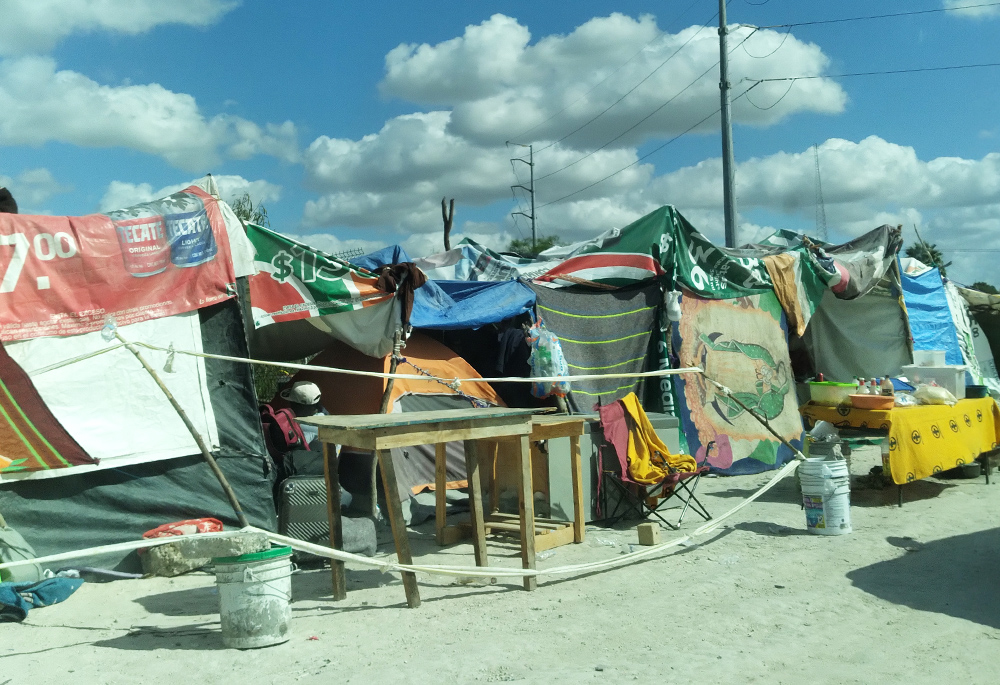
(194, 433)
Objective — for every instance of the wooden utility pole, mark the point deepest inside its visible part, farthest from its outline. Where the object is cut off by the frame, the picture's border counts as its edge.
(728, 165)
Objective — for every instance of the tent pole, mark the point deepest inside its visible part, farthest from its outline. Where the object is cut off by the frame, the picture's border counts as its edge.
(393, 363)
(194, 433)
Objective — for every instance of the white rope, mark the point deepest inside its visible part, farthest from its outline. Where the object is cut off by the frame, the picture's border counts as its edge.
(376, 374)
(431, 569)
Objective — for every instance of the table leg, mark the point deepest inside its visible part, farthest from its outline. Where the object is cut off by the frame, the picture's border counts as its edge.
(398, 526)
(440, 494)
(526, 501)
(331, 473)
(577, 468)
(476, 501)
(899, 489)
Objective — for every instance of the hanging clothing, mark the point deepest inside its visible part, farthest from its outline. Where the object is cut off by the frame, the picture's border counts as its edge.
(642, 454)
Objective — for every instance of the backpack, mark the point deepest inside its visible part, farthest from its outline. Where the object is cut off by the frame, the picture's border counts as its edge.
(281, 431)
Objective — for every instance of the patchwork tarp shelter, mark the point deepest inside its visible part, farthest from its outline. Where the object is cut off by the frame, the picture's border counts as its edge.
(741, 310)
(303, 298)
(166, 273)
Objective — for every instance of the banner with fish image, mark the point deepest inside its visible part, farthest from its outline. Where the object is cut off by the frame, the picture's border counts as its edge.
(741, 343)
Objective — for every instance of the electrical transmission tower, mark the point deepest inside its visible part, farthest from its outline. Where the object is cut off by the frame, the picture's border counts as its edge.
(530, 187)
(820, 205)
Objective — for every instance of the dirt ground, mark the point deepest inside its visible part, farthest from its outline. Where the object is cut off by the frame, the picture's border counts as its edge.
(910, 596)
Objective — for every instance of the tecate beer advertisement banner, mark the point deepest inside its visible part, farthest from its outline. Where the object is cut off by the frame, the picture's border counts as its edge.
(65, 275)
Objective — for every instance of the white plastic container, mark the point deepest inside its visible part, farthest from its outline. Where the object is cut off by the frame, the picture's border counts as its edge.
(951, 377)
(929, 358)
(831, 394)
(255, 591)
(826, 496)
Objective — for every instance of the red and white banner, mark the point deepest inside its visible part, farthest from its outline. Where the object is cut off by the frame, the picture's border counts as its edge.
(63, 275)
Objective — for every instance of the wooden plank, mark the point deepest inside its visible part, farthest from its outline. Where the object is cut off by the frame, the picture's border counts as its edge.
(398, 526)
(425, 434)
(549, 427)
(557, 538)
(504, 525)
(526, 505)
(472, 429)
(540, 523)
(412, 418)
(515, 525)
(475, 501)
(579, 526)
(440, 493)
(331, 474)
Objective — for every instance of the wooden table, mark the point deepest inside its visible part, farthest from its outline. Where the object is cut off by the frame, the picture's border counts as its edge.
(549, 533)
(382, 432)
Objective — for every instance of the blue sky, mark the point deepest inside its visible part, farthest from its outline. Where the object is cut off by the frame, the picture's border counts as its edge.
(351, 120)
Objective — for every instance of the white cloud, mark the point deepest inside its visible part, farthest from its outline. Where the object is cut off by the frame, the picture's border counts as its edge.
(493, 82)
(971, 10)
(396, 178)
(36, 26)
(39, 104)
(122, 194)
(502, 87)
(32, 188)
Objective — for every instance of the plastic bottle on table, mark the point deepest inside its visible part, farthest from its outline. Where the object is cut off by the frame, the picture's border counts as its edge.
(862, 387)
(887, 388)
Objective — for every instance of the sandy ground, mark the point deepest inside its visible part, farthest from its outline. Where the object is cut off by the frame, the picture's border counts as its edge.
(910, 596)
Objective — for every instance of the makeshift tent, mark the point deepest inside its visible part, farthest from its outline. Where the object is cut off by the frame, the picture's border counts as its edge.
(424, 358)
(140, 467)
(603, 332)
(931, 323)
(787, 284)
(303, 298)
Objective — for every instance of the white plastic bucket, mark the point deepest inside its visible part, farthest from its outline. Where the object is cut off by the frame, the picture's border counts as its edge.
(255, 591)
(826, 496)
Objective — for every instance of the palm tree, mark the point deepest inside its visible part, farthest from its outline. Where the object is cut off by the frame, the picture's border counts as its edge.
(929, 255)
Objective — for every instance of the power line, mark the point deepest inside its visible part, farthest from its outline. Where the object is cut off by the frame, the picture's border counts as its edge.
(780, 45)
(601, 82)
(645, 118)
(881, 16)
(879, 73)
(648, 154)
(775, 103)
(633, 88)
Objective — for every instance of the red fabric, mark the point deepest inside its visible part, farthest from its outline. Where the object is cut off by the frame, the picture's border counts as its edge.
(616, 430)
(29, 433)
(187, 527)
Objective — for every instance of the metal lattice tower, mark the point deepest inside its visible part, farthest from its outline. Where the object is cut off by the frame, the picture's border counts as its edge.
(820, 205)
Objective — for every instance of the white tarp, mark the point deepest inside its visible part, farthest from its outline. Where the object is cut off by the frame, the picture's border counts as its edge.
(111, 405)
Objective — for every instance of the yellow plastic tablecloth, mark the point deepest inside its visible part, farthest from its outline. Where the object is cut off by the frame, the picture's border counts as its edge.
(923, 440)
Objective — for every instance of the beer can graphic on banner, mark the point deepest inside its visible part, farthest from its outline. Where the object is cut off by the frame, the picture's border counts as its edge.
(144, 244)
(190, 237)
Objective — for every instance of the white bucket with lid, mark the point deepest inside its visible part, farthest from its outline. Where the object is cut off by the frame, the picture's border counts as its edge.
(826, 496)
(255, 591)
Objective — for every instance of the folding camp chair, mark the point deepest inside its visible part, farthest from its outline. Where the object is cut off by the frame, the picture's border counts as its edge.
(645, 500)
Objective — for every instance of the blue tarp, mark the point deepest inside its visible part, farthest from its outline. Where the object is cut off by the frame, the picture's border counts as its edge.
(452, 305)
(930, 317)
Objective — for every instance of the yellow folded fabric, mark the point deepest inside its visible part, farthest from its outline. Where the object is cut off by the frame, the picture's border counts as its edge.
(649, 460)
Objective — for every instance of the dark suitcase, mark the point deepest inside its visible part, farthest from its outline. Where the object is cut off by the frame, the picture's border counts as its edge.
(302, 515)
(302, 509)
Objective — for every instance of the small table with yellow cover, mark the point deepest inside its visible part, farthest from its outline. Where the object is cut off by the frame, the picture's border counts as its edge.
(923, 440)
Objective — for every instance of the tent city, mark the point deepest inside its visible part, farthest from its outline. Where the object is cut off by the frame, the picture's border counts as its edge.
(353, 342)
